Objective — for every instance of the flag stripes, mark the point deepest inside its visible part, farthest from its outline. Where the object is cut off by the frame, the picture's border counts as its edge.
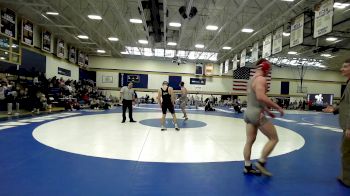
(241, 77)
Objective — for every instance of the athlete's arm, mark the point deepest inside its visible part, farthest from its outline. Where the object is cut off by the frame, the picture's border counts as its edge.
(158, 98)
(171, 91)
(121, 95)
(272, 115)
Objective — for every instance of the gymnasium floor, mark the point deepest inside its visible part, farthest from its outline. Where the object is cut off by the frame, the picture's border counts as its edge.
(92, 153)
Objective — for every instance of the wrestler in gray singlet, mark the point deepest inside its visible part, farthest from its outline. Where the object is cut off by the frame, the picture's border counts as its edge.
(254, 108)
(183, 100)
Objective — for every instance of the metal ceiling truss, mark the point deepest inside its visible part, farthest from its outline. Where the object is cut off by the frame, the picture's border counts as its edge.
(70, 23)
(184, 23)
(222, 28)
(102, 39)
(264, 16)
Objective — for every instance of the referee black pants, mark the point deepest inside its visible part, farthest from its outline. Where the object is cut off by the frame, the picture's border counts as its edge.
(127, 104)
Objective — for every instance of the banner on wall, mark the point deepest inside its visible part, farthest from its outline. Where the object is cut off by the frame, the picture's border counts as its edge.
(139, 80)
(86, 62)
(27, 32)
(243, 58)
(64, 72)
(81, 58)
(60, 48)
(221, 69)
(199, 69)
(8, 23)
(297, 31)
(230, 65)
(234, 62)
(267, 46)
(255, 52)
(323, 22)
(277, 41)
(72, 54)
(209, 69)
(46, 41)
(227, 62)
(133, 78)
(198, 81)
(174, 81)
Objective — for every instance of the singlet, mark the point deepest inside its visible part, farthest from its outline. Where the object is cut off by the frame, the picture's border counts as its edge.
(166, 97)
(253, 104)
(183, 96)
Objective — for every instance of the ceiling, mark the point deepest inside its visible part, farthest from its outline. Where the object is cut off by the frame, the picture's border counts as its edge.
(264, 16)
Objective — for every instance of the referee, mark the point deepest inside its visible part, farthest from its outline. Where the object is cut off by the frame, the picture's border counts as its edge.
(127, 94)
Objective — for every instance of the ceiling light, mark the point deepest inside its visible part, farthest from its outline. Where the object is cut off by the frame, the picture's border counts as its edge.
(52, 13)
(2, 58)
(101, 51)
(340, 5)
(83, 37)
(327, 55)
(142, 41)
(212, 28)
(331, 39)
(199, 46)
(226, 48)
(286, 34)
(134, 20)
(172, 44)
(95, 17)
(292, 52)
(288, 0)
(175, 24)
(113, 39)
(247, 30)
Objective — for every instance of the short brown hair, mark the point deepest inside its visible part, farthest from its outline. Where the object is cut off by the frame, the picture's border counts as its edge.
(347, 61)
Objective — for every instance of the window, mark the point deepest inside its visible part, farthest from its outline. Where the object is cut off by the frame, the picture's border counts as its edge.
(9, 50)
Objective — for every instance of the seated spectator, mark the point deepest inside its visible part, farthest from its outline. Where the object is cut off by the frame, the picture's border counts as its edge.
(94, 104)
(43, 102)
(208, 106)
(237, 106)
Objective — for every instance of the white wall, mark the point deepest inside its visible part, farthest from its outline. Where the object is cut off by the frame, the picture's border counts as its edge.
(332, 84)
(143, 65)
(293, 73)
(52, 64)
(155, 81)
(214, 84)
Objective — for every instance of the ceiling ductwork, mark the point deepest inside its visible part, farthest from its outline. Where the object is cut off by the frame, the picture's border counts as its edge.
(154, 22)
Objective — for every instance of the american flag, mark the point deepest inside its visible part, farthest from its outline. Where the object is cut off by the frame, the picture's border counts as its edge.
(241, 77)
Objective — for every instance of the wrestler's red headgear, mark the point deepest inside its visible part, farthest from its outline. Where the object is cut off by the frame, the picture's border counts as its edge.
(264, 64)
